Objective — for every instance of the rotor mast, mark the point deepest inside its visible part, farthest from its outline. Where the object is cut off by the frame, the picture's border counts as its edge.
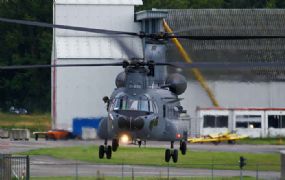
(154, 49)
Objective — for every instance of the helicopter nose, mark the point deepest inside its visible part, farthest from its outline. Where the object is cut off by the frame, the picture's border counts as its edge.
(123, 123)
(130, 124)
(138, 123)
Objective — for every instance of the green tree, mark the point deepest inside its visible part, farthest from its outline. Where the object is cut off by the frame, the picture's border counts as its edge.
(25, 45)
(280, 4)
(196, 4)
(163, 4)
(245, 4)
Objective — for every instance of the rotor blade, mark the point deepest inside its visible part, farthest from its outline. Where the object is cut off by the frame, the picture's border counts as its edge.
(46, 66)
(129, 52)
(75, 28)
(203, 65)
(223, 37)
(224, 65)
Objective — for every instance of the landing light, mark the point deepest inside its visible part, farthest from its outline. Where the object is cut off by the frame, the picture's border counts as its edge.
(124, 139)
(178, 136)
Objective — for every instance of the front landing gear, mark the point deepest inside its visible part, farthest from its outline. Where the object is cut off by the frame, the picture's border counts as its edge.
(171, 153)
(115, 145)
(105, 149)
(183, 147)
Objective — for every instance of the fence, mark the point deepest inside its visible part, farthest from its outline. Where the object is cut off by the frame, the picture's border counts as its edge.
(14, 167)
(125, 171)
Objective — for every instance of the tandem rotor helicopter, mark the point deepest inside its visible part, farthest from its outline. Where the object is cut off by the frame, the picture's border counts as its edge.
(138, 107)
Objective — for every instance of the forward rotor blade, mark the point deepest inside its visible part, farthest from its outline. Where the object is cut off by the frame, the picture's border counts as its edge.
(47, 66)
(130, 53)
(75, 28)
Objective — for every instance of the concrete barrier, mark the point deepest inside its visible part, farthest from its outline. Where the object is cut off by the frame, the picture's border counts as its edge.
(89, 133)
(20, 134)
(4, 133)
(282, 165)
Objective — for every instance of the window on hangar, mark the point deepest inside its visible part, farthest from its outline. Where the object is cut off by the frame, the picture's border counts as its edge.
(248, 121)
(276, 121)
(216, 121)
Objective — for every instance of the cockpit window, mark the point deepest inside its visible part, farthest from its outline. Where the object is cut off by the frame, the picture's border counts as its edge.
(126, 103)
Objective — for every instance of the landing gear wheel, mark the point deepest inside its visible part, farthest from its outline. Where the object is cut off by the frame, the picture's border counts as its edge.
(175, 156)
(109, 152)
(115, 145)
(183, 147)
(101, 152)
(231, 142)
(216, 142)
(167, 155)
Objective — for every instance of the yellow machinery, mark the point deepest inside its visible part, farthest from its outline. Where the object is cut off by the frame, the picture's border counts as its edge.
(197, 73)
(231, 138)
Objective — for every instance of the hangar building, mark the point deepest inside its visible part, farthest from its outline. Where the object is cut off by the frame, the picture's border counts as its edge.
(251, 101)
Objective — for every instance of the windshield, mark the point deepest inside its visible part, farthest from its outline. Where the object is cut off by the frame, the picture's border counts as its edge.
(125, 103)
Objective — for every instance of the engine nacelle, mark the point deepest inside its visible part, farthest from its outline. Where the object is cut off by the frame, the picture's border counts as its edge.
(176, 83)
(121, 80)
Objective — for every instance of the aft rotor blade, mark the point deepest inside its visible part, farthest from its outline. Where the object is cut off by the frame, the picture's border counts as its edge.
(75, 28)
(224, 65)
(224, 37)
(47, 66)
(105, 31)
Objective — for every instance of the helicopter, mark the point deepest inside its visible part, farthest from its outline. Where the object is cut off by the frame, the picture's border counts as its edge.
(144, 111)
(139, 107)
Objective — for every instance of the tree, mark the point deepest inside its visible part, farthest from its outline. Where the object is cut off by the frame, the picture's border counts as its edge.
(196, 4)
(163, 4)
(25, 45)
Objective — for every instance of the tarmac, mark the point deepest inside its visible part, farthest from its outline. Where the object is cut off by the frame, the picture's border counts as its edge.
(7, 146)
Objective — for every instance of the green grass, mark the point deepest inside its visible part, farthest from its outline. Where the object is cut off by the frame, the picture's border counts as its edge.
(140, 178)
(34, 122)
(155, 157)
(263, 141)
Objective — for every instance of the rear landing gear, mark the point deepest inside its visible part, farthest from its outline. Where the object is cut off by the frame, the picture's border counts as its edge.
(105, 149)
(171, 153)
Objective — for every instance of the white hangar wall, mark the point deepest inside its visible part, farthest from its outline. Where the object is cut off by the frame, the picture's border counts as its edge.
(77, 92)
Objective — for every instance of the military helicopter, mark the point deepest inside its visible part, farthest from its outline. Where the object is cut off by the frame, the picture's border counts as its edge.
(138, 107)
(145, 111)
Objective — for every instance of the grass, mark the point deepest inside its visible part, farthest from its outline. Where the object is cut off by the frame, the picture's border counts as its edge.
(141, 178)
(263, 141)
(155, 157)
(34, 122)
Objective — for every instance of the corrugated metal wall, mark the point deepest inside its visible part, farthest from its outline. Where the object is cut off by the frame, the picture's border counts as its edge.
(215, 22)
